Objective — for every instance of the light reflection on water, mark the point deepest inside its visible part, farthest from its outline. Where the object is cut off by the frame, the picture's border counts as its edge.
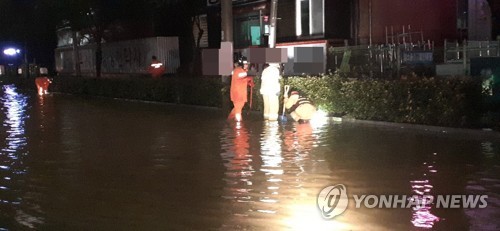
(422, 191)
(486, 181)
(276, 183)
(13, 157)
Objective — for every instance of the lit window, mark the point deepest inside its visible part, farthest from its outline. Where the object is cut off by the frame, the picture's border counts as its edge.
(304, 17)
(309, 17)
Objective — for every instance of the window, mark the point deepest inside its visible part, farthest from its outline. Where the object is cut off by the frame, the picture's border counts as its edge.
(247, 31)
(304, 17)
(309, 17)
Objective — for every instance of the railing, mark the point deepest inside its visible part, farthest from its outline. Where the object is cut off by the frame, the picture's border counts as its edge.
(379, 61)
(455, 52)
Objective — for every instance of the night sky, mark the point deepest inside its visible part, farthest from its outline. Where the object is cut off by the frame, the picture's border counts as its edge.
(24, 25)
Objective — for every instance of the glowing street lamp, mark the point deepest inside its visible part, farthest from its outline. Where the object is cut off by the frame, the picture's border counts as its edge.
(11, 51)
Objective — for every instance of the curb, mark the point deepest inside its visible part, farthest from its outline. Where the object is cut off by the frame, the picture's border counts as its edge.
(466, 133)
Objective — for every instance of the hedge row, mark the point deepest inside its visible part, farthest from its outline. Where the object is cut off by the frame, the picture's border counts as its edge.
(455, 102)
(193, 91)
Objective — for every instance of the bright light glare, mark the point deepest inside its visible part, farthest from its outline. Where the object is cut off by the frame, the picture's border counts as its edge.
(319, 119)
(320, 114)
(11, 51)
(307, 217)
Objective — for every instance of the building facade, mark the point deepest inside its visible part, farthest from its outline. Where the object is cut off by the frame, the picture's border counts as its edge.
(356, 21)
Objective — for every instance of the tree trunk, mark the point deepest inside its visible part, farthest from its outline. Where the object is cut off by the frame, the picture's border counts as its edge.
(197, 51)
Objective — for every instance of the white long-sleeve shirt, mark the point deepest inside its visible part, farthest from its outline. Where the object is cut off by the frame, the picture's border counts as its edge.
(270, 81)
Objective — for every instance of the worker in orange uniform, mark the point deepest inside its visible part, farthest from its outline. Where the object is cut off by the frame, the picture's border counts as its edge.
(156, 69)
(42, 84)
(239, 83)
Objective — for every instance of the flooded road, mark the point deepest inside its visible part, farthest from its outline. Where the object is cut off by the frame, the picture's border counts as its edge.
(72, 163)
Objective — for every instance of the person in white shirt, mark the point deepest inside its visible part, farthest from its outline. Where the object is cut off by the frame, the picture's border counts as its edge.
(270, 89)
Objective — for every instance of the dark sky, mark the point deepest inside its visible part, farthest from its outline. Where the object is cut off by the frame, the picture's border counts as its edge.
(33, 23)
(26, 24)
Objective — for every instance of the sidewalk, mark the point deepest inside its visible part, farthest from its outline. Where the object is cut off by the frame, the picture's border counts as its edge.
(466, 133)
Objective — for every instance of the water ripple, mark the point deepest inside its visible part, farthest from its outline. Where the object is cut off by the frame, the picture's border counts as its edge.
(13, 106)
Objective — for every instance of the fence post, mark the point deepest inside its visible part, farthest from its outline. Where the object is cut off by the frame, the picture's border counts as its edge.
(480, 48)
(498, 47)
(386, 37)
(381, 62)
(445, 47)
(392, 35)
(488, 49)
(465, 56)
(398, 60)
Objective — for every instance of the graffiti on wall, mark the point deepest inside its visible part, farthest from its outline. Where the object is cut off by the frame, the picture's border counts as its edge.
(124, 59)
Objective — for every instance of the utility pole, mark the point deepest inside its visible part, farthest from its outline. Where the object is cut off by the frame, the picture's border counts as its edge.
(226, 37)
(26, 64)
(227, 20)
(227, 28)
(272, 29)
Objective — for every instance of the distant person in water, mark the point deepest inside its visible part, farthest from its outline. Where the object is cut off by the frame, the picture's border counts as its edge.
(156, 69)
(42, 84)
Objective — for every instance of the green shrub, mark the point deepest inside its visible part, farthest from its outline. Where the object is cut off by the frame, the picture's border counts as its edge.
(197, 91)
(456, 102)
(433, 101)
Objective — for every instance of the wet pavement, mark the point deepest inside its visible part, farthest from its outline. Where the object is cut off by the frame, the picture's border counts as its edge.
(73, 163)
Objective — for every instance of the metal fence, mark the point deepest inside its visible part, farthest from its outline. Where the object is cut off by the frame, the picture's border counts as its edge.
(381, 61)
(455, 52)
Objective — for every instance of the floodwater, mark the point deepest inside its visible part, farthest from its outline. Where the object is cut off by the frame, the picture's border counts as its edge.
(72, 163)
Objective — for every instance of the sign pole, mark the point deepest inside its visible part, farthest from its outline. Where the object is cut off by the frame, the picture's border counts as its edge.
(272, 29)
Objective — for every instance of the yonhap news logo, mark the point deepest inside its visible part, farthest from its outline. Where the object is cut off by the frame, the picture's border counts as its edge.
(333, 201)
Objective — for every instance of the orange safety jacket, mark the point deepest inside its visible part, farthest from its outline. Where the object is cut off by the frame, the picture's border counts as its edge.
(239, 82)
(42, 82)
(156, 69)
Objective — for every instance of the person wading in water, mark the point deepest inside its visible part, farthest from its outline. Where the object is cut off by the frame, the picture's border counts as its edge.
(238, 91)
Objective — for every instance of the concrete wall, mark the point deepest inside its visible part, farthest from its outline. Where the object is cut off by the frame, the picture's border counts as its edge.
(124, 57)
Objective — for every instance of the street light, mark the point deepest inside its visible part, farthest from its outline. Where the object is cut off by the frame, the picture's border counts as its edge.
(10, 56)
(11, 51)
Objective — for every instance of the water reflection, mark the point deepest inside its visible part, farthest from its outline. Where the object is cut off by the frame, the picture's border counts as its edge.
(274, 178)
(306, 173)
(86, 164)
(13, 166)
(237, 160)
(422, 216)
(270, 153)
(486, 181)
